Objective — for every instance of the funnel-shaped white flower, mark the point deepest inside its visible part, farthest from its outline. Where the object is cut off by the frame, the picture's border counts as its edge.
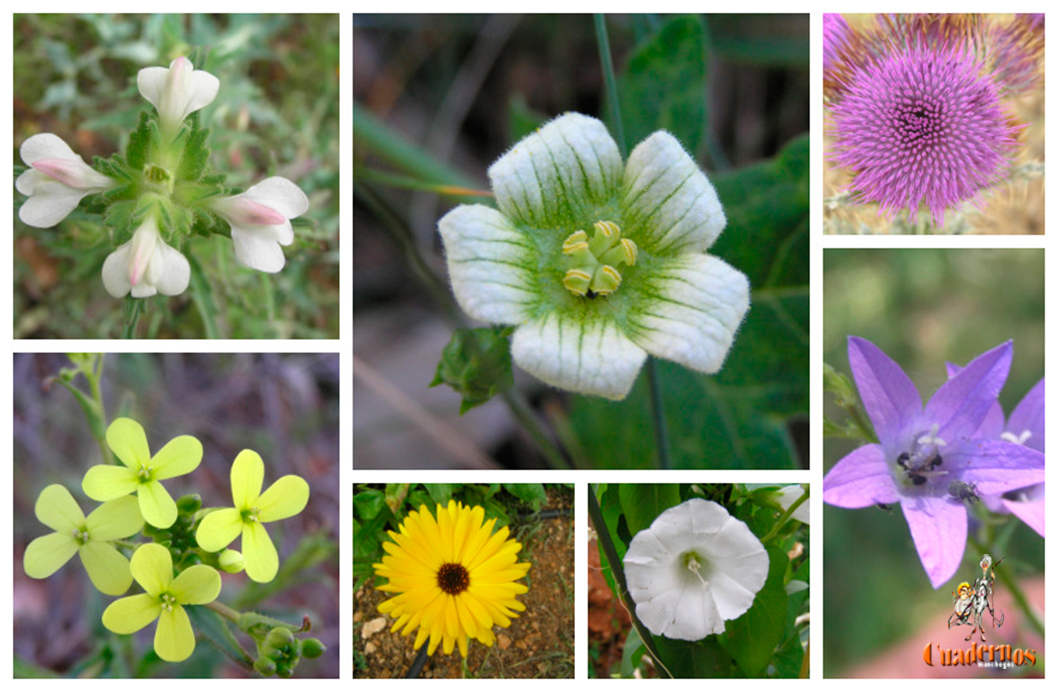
(177, 91)
(598, 261)
(57, 181)
(695, 567)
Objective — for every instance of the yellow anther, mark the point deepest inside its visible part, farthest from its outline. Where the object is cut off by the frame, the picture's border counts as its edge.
(574, 243)
(577, 281)
(608, 229)
(606, 280)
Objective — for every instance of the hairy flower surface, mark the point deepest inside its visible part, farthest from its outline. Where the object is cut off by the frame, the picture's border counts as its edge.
(152, 567)
(598, 262)
(141, 473)
(921, 126)
(56, 182)
(921, 451)
(253, 509)
(176, 92)
(693, 569)
(454, 578)
(260, 221)
(146, 266)
(87, 537)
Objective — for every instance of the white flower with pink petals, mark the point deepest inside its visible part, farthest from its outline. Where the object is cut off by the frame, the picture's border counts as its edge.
(57, 182)
(260, 221)
(177, 91)
(146, 265)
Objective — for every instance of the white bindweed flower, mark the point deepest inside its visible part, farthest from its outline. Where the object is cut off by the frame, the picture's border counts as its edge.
(57, 181)
(695, 567)
(787, 496)
(145, 266)
(177, 91)
(598, 262)
(260, 221)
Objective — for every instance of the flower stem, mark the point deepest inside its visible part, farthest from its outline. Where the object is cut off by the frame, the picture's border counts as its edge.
(785, 516)
(133, 310)
(657, 405)
(603, 39)
(521, 410)
(607, 545)
(224, 611)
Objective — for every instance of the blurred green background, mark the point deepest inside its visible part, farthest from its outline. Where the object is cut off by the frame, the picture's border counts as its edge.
(923, 307)
(276, 114)
(284, 407)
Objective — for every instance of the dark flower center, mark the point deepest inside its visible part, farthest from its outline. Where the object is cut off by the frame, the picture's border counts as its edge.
(453, 578)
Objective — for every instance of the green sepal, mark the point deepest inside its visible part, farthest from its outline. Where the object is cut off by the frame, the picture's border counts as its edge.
(196, 154)
(138, 151)
(477, 364)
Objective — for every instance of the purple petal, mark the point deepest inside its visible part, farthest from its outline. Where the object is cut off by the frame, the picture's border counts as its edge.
(938, 528)
(861, 479)
(1028, 415)
(887, 392)
(994, 423)
(996, 466)
(1030, 509)
(961, 404)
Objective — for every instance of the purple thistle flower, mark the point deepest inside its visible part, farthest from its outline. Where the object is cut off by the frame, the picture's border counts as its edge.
(921, 126)
(921, 451)
(836, 33)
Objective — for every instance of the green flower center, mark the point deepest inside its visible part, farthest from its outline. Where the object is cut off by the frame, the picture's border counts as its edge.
(593, 263)
(696, 564)
(169, 602)
(145, 474)
(250, 515)
(81, 535)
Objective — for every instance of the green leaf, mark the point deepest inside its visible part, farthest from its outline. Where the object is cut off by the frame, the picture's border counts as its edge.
(700, 659)
(740, 417)
(196, 154)
(477, 364)
(663, 86)
(633, 654)
(532, 494)
(440, 493)
(643, 502)
(217, 633)
(368, 503)
(751, 639)
(395, 494)
(139, 143)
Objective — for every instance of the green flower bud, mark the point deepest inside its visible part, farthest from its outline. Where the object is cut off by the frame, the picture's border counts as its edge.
(312, 648)
(265, 666)
(232, 561)
(280, 637)
(189, 504)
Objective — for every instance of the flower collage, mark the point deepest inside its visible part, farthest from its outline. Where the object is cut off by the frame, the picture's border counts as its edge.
(634, 296)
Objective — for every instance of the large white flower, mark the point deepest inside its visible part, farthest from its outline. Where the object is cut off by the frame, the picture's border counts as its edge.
(599, 262)
(145, 266)
(695, 567)
(57, 181)
(260, 221)
(177, 91)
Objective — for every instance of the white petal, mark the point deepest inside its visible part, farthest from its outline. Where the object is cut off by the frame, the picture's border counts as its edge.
(571, 160)
(588, 357)
(256, 250)
(669, 204)
(689, 310)
(46, 146)
(492, 265)
(116, 271)
(698, 615)
(50, 200)
(151, 82)
(175, 271)
(787, 496)
(280, 194)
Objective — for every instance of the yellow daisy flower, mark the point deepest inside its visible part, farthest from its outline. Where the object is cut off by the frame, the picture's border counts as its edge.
(454, 578)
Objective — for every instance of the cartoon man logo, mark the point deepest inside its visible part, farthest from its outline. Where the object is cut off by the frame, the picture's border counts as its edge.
(970, 602)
